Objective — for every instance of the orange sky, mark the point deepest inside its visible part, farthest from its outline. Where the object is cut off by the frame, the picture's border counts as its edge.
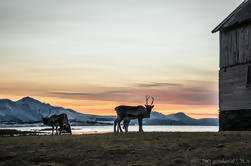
(91, 56)
(107, 107)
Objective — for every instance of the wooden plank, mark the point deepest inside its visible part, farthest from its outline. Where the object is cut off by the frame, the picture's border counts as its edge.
(231, 43)
(233, 93)
(249, 43)
(235, 46)
(223, 52)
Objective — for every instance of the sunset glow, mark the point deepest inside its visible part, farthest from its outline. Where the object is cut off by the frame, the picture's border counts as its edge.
(91, 56)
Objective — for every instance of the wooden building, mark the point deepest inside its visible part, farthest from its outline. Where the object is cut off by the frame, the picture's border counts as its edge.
(235, 69)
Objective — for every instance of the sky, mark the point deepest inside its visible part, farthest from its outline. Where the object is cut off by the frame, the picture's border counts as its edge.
(93, 55)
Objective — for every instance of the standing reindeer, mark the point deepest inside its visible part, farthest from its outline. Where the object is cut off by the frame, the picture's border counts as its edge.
(127, 113)
(60, 121)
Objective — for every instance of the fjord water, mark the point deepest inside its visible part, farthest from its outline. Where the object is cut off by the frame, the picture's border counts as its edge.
(83, 129)
(107, 129)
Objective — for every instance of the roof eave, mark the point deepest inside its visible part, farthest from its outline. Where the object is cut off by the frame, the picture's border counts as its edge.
(216, 29)
(220, 26)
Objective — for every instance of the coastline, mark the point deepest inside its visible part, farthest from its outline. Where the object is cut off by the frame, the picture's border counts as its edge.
(78, 130)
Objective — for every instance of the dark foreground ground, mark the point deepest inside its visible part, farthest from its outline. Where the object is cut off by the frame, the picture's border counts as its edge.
(173, 148)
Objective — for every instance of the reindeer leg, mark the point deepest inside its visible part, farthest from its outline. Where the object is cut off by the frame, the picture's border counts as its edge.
(60, 130)
(117, 128)
(140, 125)
(126, 126)
(56, 129)
(120, 126)
(70, 128)
(52, 130)
(115, 124)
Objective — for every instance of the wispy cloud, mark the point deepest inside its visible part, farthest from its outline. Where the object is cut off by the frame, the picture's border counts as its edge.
(204, 114)
(72, 93)
(157, 84)
(177, 94)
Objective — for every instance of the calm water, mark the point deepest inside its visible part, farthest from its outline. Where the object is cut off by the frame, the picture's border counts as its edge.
(149, 128)
(105, 129)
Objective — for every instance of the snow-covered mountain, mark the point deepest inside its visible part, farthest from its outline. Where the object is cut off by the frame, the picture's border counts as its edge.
(31, 110)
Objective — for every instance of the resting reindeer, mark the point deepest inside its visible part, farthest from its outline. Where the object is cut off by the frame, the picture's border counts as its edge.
(60, 121)
(127, 113)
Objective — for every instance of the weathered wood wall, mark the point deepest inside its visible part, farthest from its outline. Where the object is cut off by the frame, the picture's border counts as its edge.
(236, 120)
(235, 46)
(234, 93)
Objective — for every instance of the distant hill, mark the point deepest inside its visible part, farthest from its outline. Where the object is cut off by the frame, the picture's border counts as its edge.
(181, 119)
(27, 110)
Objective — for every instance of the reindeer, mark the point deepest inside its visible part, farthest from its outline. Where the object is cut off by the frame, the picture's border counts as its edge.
(127, 113)
(60, 121)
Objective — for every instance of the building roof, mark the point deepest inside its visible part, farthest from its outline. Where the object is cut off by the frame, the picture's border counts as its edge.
(240, 15)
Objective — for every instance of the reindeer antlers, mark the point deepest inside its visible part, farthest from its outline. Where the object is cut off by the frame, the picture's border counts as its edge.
(147, 98)
(152, 100)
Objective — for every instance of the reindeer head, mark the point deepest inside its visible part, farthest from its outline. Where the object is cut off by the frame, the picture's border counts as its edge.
(46, 120)
(149, 107)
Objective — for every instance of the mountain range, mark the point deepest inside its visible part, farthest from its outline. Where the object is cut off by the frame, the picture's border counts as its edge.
(29, 110)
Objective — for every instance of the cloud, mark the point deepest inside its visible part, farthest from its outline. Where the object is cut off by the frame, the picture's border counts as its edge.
(72, 93)
(178, 94)
(204, 114)
(156, 84)
(113, 95)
